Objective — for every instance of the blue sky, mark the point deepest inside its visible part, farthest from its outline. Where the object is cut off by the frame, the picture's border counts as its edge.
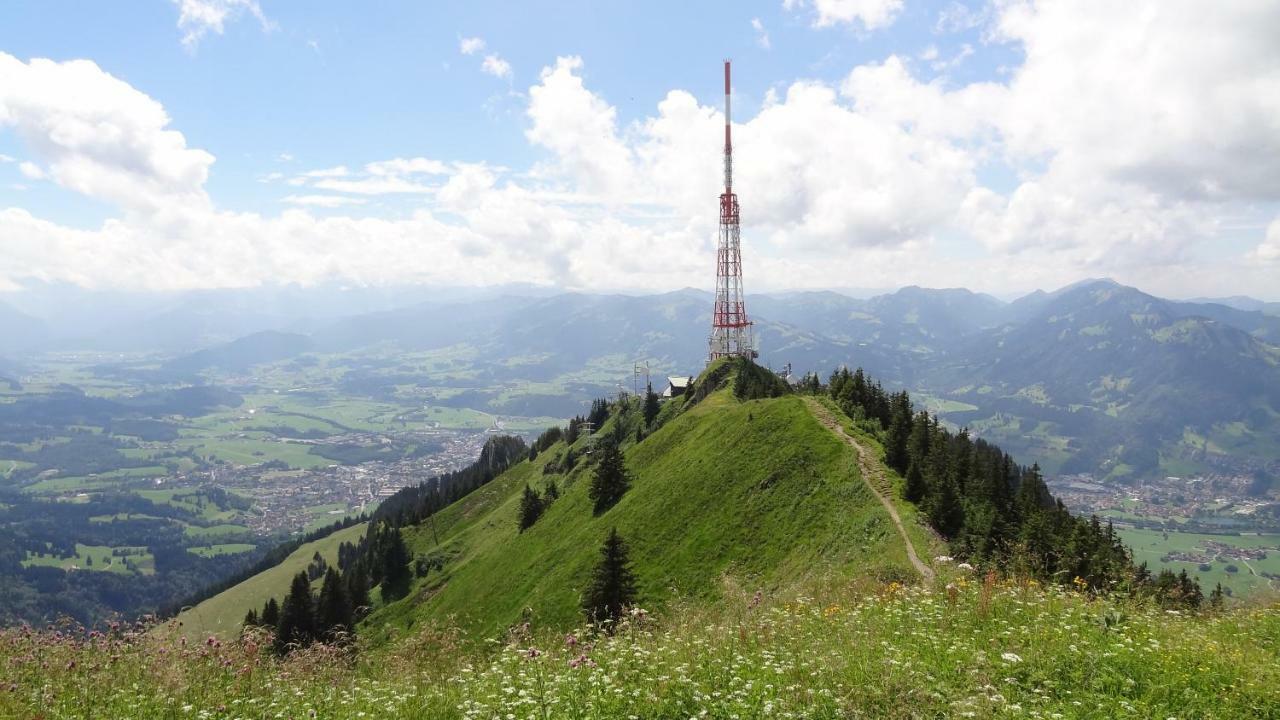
(946, 162)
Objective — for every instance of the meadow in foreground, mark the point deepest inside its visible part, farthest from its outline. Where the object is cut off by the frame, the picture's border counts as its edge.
(977, 647)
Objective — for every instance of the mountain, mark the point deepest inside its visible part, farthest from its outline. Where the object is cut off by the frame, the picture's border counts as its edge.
(1243, 302)
(773, 575)
(19, 331)
(243, 353)
(1113, 376)
(760, 490)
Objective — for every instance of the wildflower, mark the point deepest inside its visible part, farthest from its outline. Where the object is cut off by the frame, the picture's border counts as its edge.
(965, 566)
(1011, 657)
(533, 653)
(570, 640)
(943, 559)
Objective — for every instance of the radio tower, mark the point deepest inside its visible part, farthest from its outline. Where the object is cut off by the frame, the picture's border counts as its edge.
(730, 329)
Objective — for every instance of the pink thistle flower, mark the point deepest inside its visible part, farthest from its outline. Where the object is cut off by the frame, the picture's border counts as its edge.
(570, 640)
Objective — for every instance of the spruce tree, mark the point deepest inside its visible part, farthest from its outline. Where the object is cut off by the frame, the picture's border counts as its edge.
(650, 405)
(333, 611)
(270, 616)
(610, 481)
(251, 618)
(530, 508)
(297, 616)
(357, 581)
(897, 455)
(946, 514)
(613, 585)
(396, 574)
(914, 489)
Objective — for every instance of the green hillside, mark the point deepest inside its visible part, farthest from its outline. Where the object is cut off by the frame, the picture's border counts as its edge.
(222, 614)
(757, 490)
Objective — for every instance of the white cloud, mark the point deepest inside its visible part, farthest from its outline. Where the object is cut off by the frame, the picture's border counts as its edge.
(326, 201)
(32, 171)
(870, 14)
(407, 166)
(197, 18)
(496, 66)
(958, 17)
(337, 171)
(1269, 249)
(471, 45)
(373, 186)
(98, 136)
(879, 180)
(762, 35)
(7, 158)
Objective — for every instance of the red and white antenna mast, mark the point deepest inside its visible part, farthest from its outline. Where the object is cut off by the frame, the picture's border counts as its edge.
(731, 334)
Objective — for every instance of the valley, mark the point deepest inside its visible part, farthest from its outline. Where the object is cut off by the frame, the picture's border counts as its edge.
(208, 454)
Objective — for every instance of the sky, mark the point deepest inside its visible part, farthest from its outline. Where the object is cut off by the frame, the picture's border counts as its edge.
(1002, 146)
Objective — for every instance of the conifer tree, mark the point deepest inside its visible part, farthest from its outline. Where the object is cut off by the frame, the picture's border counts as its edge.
(396, 574)
(613, 585)
(530, 508)
(650, 405)
(357, 581)
(552, 493)
(251, 618)
(611, 479)
(915, 487)
(333, 610)
(297, 616)
(270, 616)
(897, 455)
(946, 514)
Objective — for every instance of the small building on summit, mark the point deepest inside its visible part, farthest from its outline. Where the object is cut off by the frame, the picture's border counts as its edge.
(676, 386)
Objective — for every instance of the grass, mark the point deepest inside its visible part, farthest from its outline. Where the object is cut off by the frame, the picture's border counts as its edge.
(1151, 545)
(102, 560)
(978, 648)
(759, 490)
(209, 551)
(222, 614)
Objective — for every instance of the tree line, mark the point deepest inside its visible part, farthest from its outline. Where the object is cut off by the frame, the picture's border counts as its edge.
(989, 508)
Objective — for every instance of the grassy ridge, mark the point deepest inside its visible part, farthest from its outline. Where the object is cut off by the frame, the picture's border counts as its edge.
(222, 614)
(757, 489)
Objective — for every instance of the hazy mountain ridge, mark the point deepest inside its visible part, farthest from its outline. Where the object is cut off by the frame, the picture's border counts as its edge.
(1078, 378)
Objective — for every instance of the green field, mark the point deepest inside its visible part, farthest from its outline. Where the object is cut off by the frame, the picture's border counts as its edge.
(223, 613)
(209, 551)
(98, 558)
(1150, 545)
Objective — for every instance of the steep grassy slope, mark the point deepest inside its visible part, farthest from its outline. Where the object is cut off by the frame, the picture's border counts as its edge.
(758, 490)
(222, 614)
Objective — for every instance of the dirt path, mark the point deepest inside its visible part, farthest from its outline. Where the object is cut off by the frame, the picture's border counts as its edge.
(869, 468)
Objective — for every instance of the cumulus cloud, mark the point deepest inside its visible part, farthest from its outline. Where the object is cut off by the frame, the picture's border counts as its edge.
(197, 18)
(870, 14)
(471, 45)
(99, 136)
(1116, 148)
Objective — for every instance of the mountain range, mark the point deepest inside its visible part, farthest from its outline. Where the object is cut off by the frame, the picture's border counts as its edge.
(1095, 377)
